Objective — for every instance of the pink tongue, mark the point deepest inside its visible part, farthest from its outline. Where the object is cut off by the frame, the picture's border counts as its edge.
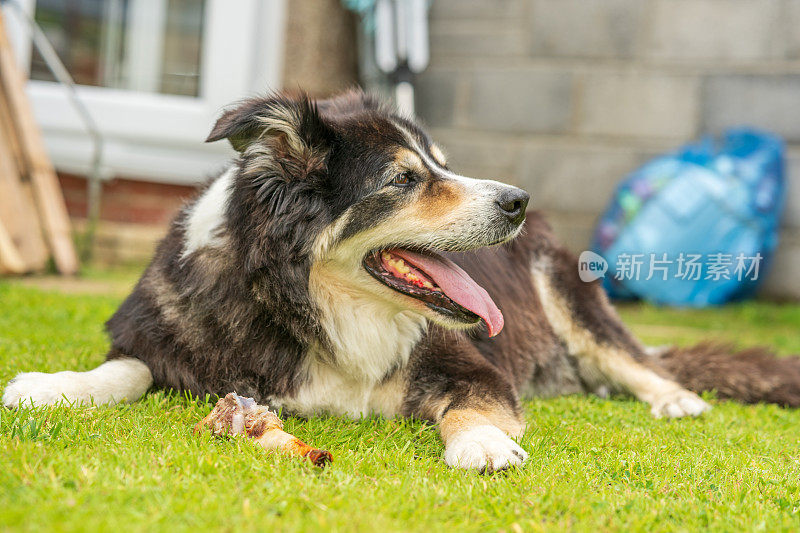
(458, 286)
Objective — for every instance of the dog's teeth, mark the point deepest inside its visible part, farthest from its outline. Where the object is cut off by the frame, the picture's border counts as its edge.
(398, 268)
(395, 263)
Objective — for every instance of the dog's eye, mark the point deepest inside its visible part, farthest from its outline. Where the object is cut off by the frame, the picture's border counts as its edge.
(403, 180)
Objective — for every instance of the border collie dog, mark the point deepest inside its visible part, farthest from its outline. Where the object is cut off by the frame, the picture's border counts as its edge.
(340, 266)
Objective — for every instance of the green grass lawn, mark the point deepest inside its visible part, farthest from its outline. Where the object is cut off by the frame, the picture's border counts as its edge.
(594, 464)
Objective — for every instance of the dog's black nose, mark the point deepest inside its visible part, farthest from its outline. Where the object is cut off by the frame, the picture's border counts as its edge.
(512, 203)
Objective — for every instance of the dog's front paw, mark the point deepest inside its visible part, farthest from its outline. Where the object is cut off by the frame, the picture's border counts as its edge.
(485, 448)
(32, 388)
(679, 403)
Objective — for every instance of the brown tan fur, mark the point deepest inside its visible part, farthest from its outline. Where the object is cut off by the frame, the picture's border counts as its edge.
(460, 420)
(600, 363)
(439, 198)
(438, 155)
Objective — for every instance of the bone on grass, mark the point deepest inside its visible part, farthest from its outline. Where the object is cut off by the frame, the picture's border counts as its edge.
(237, 415)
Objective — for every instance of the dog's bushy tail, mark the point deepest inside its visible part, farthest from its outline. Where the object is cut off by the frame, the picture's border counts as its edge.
(749, 376)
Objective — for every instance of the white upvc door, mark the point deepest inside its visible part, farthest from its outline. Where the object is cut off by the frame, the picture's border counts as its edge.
(148, 134)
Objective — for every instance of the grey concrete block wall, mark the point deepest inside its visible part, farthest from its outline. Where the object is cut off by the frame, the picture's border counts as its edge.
(692, 30)
(564, 97)
(585, 28)
(520, 100)
(766, 100)
(637, 104)
(577, 178)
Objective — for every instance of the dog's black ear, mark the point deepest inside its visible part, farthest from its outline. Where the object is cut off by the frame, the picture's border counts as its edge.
(296, 121)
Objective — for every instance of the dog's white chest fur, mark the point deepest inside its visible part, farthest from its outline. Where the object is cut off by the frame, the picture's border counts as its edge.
(330, 391)
(371, 341)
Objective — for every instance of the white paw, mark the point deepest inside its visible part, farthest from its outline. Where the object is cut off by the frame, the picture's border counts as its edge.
(124, 379)
(679, 403)
(485, 448)
(33, 388)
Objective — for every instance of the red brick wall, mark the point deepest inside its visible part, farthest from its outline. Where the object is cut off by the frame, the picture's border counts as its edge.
(127, 201)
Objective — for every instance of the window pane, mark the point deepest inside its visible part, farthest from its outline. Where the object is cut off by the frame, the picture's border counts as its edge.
(142, 45)
(181, 72)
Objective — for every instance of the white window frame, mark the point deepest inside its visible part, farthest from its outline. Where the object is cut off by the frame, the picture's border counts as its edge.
(160, 137)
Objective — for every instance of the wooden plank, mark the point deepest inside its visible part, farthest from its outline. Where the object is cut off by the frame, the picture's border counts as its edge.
(18, 209)
(11, 261)
(49, 198)
(17, 206)
(7, 130)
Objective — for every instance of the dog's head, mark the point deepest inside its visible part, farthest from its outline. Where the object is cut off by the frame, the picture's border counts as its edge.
(349, 186)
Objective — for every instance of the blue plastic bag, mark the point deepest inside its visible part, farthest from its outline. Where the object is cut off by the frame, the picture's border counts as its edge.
(698, 226)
